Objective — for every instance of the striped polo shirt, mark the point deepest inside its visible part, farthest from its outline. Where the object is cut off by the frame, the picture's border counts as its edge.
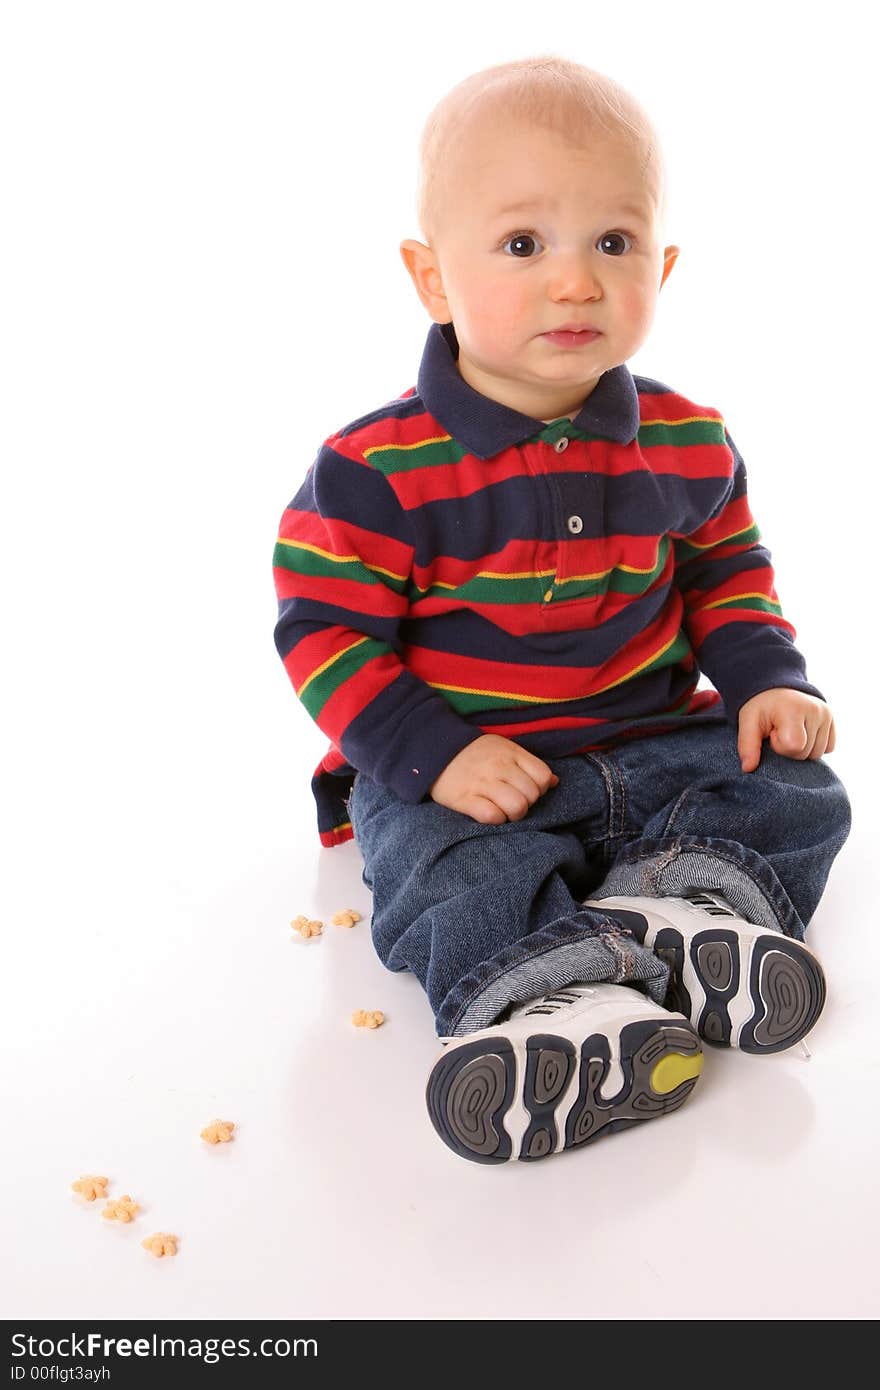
(451, 567)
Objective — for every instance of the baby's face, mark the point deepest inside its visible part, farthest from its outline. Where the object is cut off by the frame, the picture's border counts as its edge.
(585, 249)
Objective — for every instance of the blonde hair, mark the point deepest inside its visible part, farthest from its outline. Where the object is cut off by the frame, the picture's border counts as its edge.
(549, 91)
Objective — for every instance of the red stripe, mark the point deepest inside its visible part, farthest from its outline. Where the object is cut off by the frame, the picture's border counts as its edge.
(754, 580)
(316, 648)
(735, 517)
(544, 682)
(353, 696)
(669, 406)
(345, 538)
(701, 624)
(335, 837)
(356, 597)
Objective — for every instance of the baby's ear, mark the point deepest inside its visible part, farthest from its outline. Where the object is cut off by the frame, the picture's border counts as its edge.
(424, 269)
(670, 256)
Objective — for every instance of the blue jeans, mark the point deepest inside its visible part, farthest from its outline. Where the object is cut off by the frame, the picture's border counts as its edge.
(487, 916)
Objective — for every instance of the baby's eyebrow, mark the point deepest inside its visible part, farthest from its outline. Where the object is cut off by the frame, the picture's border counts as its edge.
(526, 204)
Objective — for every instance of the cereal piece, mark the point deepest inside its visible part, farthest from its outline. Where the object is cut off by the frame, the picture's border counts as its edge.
(364, 1018)
(346, 918)
(90, 1187)
(160, 1244)
(219, 1132)
(307, 928)
(123, 1209)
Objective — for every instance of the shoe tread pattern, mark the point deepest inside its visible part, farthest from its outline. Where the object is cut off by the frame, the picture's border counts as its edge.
(471, 1089)
(786, 983)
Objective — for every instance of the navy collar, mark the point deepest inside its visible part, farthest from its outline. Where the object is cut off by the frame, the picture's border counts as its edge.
(485, 427)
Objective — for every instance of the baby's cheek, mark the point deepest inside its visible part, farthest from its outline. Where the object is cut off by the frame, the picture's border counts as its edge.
(639, 306)
(503, 315)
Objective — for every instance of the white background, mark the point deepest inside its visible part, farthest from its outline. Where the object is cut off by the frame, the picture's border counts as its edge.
(201, 280)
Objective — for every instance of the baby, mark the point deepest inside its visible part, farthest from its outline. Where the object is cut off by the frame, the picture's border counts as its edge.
(497, 593)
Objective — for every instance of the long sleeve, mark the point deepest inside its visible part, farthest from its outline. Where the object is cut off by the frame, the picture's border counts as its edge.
(342, 567)
(733, 616)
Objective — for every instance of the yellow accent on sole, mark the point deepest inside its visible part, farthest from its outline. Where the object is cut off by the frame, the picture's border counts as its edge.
(673, 1069)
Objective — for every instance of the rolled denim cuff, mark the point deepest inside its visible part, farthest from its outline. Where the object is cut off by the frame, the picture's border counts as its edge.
(669, 867)
(586, 946)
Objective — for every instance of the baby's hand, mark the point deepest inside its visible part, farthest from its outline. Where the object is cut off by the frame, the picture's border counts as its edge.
(493, 780)
(798, 725)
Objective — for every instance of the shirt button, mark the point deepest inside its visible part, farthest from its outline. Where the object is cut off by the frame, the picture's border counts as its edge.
(548, 595)
(575, 524)
(561, 445)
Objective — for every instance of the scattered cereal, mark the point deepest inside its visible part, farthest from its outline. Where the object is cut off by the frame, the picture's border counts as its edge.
(220, 1132)
(90, 1187)
(305, 927)
(346, 918)
(160, 1244)
(364, 1018)
(124, 1209)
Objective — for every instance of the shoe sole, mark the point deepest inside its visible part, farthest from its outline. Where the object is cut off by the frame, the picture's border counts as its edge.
(476, 1085)
(764, 1003)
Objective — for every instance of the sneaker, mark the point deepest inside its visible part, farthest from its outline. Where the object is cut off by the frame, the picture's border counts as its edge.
(560, 1071)
(740, 985)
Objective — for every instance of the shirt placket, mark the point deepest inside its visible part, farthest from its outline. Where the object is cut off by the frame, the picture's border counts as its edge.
(555, 439)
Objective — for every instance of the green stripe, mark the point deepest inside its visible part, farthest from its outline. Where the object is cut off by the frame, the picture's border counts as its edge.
(398, 459)
(764, 605)
(680, 648)
(318, 692)
(485, 590)
(691, 432)
(531, 589)
(299, 560)
(684, 551)
(465, 702)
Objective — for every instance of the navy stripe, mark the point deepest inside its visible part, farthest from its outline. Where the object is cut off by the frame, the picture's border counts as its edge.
(464, 633)
(704, 572)
(299, 617)
(525, 508)
(352, 492)
(395, 409)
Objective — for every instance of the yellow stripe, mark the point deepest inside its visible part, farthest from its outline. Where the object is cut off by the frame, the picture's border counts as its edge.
(339, 559)
(318, 669)
(503, 694)
(720, 540)
(600, 574)
(688, 420)
(542, 699)
(491, 574)
(404, 448)
(636, 669)
(732, 598)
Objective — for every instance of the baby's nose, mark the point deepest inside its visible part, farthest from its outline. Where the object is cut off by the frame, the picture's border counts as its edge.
(576, 270)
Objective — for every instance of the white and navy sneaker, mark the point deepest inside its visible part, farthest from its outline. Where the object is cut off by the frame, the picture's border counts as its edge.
(739, 984)
(561, 1070)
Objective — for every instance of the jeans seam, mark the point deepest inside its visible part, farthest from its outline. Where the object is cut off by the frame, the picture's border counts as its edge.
(675, 810)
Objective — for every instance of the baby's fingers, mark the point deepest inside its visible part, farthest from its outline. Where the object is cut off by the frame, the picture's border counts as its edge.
(824, 738)
(792, 739)
(481, 809)
(543, 776)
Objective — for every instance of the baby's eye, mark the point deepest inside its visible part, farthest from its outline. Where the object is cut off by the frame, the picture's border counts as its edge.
(522, 239)
(612, 237)
(518, 239)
